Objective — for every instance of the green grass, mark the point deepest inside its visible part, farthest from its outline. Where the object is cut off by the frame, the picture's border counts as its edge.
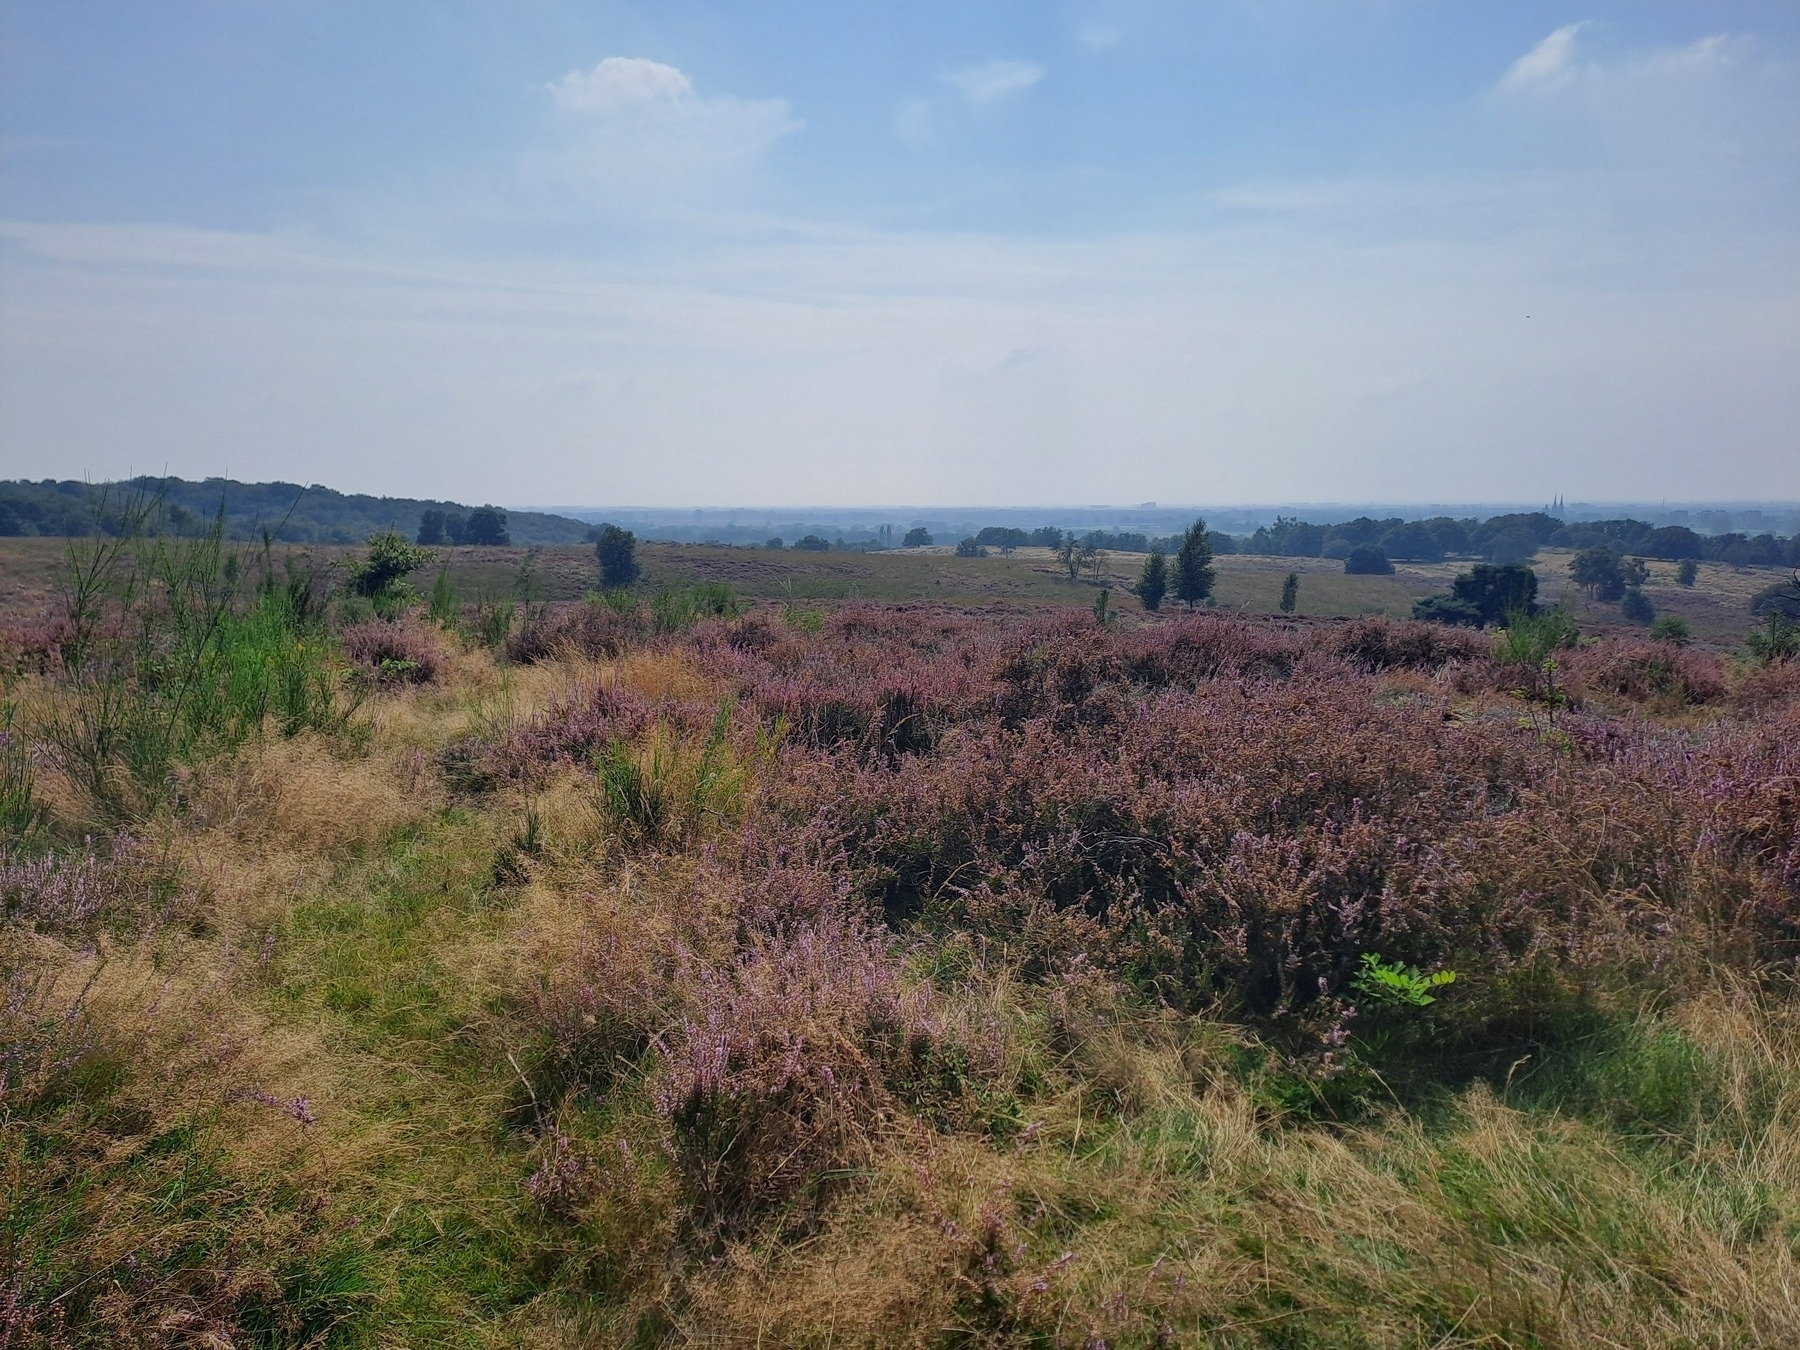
(376, 963)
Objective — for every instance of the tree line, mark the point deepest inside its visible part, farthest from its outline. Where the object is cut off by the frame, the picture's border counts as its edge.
(289, 513)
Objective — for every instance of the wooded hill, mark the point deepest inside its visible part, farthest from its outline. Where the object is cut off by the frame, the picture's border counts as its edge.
(288, 511)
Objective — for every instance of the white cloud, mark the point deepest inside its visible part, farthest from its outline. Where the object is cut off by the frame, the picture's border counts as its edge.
(620, 82)
(1546, 65)
(636, 132)
(994, 80)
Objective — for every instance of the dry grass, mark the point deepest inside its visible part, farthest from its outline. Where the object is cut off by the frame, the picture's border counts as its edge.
(401, 1075)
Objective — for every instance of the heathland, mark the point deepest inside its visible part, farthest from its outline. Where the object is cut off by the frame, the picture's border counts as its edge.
(889, 949)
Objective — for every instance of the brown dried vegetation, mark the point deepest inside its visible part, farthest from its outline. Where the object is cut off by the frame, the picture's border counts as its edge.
(927, 977)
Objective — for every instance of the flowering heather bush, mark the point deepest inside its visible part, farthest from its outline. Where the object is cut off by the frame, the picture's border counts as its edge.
(1646, 672)
(1381, 644)
(74, 894)
(783, 1067)
(1229, 814)
(592, 629)
(395, 653)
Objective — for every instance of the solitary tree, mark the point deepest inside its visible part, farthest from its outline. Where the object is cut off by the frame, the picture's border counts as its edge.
(1153, 585)
(1600, 572)
(1193, 566)
(1068, 553)
(917, 537)
(1290, 593)
(1092, 556)
(617, 551)
(487, 525)
(431, 527)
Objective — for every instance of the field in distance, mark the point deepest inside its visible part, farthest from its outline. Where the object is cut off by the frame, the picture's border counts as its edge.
(1716, 608)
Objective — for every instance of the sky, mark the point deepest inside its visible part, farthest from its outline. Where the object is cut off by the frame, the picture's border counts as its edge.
(1055, 252)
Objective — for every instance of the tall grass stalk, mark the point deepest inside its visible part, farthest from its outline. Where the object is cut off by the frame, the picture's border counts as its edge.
(172, 656)
(664, 792)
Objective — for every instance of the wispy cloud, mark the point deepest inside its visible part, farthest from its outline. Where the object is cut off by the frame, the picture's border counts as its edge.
(1548, 64)
(995, 80)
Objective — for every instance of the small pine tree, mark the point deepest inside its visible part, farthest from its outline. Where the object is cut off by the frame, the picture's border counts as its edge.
(1193, 566)
(1153, 585)
(382, 575)
(617, 551)
(1686, 574)
(1290, 593)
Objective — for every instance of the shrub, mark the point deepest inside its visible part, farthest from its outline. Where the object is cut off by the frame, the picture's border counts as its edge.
(1671, 628)
(676, 611)
(776, 1081)
(1636, 607)
(1368, 560)
(394, 653)
(489, 622)
(1532, 639)
(1381, 644)
(1446, 609)
(166, 662)
(1687, 573)
(968, 548)
(381, 576)
(1663, 673)
(599, 627)
(1290, 593)
(121, 884)
(1483, 595)
(1778, 639)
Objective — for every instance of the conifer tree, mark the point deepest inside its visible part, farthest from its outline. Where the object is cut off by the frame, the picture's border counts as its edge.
(1193, 566)
(1153, 585)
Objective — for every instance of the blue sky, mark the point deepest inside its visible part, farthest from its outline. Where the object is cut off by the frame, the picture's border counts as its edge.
(1299, 250)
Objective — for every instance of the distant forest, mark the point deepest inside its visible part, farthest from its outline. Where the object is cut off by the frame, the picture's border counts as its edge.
(1514, 537)
(295, 514)
(290, 512)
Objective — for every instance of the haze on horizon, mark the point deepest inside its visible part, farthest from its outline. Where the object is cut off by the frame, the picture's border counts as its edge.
(787, 254)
